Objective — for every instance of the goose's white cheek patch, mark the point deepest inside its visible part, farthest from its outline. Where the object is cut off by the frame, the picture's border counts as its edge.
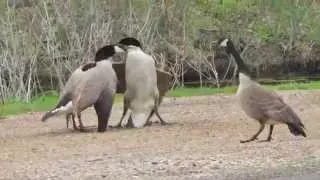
(117, 49)
(224, 43)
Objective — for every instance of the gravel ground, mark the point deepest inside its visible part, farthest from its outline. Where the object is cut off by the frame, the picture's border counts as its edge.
(201, 142)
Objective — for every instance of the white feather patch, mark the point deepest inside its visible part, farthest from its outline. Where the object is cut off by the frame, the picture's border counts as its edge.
(245, 82)
(224, 43)
(64, 109)
(117, 49)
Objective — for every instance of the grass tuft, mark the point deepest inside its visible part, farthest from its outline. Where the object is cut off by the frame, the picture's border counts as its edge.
(43, 103)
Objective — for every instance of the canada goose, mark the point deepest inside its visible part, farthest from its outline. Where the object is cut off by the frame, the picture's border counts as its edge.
(164, 80)
(142, 93)
(262, 105)
(102, 54)
(91, 84)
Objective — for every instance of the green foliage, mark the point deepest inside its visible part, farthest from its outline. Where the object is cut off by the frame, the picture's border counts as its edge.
(52, 31)
(264, 32)
(270, 21)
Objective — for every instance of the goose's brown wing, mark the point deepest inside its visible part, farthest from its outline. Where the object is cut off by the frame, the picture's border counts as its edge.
(164, 80)
(272, 106)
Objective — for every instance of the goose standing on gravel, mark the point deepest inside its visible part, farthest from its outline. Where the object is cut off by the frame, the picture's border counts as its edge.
(142, 93)
(264, 106)
(164, 81)
(91, 84)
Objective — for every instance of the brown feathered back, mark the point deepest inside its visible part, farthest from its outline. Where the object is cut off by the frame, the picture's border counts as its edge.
(98, 79)
(261, 104)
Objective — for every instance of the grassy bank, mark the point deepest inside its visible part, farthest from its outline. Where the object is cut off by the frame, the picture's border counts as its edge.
(43, 103)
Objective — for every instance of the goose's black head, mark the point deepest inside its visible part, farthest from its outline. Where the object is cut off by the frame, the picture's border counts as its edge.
(227, 44)
(108, 51)
(130, 41)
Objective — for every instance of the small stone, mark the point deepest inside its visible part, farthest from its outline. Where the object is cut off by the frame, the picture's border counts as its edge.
(94, 160)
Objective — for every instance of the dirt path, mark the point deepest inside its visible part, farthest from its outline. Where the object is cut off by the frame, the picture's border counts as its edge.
(202, 143)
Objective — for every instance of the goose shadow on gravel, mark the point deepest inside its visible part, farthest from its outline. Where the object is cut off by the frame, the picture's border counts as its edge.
(93, 129)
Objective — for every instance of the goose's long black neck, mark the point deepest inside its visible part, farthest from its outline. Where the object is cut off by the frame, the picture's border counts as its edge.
(241, 65)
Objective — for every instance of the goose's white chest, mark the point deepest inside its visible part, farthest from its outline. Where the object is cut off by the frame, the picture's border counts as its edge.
(245, 82)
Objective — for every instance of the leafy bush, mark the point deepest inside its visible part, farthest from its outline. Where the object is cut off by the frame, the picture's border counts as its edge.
(40, 45)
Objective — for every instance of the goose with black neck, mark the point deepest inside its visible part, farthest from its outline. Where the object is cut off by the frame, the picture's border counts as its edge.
(264, 106)
(142, 94)
(91, 84)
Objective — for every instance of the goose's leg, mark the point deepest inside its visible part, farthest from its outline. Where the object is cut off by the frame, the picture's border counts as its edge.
(67, 120)
(74, 122)
(81, 126)
(157, 103)
(125, 109)
(124, 112)
(162, 122)
(155, 111)
(148, 123)
(130, 122)
(254, 137)
(270, 132)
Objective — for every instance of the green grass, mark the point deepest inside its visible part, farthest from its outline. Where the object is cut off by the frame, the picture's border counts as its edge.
(14, 106)
(183, 92)
(44, 103)
(296, 86)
